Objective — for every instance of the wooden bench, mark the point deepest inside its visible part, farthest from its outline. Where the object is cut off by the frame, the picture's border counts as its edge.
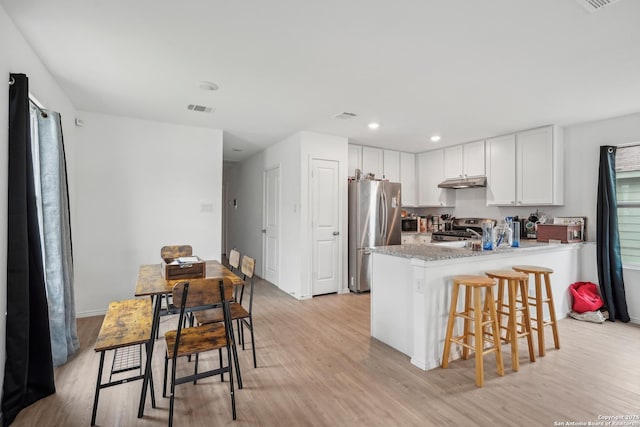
(126, 324)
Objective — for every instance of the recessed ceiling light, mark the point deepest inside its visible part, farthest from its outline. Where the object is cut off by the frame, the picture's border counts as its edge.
(206, 85)
(435, 138)
(374, 125)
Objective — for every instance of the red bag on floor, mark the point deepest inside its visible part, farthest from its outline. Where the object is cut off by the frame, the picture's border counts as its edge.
(585, 297)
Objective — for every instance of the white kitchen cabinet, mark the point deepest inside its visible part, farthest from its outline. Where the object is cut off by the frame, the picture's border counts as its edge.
(473, 159)
(501, 171)
(464, 161)
(453, 162)
(408, 178)
(430, 167)
(355, 159)
(424, 238)
(525, 168)
(373, 161)
(539, 167)
(391, 165)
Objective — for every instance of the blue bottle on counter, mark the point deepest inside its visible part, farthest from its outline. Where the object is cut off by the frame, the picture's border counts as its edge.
(487, 236)
(515, 238)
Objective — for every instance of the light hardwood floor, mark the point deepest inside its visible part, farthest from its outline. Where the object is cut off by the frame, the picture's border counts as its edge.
(318, 366)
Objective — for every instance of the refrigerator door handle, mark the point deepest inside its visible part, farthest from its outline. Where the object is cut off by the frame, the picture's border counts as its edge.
(380, 215)
(385, 216)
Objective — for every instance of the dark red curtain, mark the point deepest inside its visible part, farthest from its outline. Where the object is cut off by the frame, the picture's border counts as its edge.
(28, 373)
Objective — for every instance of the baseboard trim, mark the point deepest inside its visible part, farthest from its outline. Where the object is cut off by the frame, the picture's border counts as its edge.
(90, 313)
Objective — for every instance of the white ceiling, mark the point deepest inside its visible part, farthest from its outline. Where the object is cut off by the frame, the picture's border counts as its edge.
(465, 69)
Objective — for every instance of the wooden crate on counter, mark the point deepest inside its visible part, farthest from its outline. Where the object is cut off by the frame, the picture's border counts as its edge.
(183, 268)
(561, 232)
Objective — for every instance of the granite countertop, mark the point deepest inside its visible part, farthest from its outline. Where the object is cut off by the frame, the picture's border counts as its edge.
(435, 252)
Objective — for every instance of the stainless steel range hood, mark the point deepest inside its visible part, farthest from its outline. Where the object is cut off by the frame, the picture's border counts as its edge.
(479, 181)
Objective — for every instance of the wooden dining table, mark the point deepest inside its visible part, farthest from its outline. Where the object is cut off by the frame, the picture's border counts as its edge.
(152, 283)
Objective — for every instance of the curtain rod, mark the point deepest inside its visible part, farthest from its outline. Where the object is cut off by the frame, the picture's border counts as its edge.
(44, 113)
(628, 144)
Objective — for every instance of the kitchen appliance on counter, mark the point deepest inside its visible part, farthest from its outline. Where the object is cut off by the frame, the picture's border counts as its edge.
(374, 220)
(563, 229)
(462, 229)
(410, 224)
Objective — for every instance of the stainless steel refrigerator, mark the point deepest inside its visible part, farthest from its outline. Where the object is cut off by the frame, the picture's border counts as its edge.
(374, 220)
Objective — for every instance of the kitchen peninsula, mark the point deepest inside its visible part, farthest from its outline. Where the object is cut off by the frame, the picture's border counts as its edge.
(411, 287)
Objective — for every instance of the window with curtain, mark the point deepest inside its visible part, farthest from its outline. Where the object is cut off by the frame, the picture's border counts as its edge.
(628, 194)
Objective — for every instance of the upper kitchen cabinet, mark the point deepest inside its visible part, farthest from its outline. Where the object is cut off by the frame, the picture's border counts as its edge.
(355, 159)
(501, 171)
(540, 164)
(408, 178)
(430, 166)
(525, 168)
(473, 159)
(373, 161)
(391, 165)
(464, 161)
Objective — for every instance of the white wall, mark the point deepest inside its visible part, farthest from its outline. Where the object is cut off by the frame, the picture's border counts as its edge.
(141, 185)
(582, 152)
(245, 182)
(16, 56)
(286, 155)
(293, 156)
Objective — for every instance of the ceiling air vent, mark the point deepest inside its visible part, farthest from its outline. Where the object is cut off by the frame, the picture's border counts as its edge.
(200, 108)
(345, 116)
(594, 5)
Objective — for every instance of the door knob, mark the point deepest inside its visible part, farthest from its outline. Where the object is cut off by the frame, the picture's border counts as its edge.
(336, 233)
(264, 231)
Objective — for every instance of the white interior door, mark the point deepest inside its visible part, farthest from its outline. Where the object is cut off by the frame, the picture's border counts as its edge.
(325, 208)
(271, 231)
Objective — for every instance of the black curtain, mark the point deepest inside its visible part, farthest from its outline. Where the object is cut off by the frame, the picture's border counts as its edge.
(608, 239)
(28, 373)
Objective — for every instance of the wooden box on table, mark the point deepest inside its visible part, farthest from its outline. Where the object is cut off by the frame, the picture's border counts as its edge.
(183, 268)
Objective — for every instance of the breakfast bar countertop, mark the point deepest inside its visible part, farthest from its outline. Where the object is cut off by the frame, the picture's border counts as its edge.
(440, 252)
(411, 287)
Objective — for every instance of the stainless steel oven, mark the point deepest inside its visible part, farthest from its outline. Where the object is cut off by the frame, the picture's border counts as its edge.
(409, 224)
